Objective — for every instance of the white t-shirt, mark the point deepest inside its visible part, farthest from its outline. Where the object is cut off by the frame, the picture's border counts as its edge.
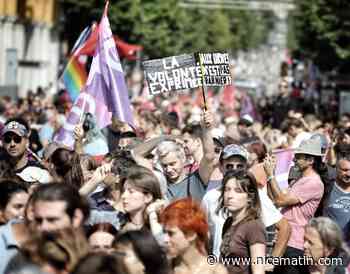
(210, 203)
(269, 214)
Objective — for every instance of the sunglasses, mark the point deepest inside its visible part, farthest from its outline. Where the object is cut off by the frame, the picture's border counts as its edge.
(8, 138)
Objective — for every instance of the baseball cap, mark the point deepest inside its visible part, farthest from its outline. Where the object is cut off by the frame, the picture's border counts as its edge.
(234, 150)
(17, 128)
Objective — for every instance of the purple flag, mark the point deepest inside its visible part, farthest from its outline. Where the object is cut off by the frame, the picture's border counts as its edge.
(105, 92)
(84, 103)
(284, 158)
(247, 107)
(106, 82)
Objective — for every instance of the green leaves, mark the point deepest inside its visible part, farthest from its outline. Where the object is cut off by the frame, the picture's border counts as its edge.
(164, 28)
(323, 31)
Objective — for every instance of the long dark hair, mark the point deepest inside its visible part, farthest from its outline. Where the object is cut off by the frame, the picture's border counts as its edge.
(68, 167)
(246, 181)
(146, 249)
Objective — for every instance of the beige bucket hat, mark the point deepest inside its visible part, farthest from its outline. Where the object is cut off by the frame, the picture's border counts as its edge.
(309, 147)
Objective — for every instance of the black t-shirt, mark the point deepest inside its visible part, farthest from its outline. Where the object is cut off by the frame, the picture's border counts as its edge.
(7, 169)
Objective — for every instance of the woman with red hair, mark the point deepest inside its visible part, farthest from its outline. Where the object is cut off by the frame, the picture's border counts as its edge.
(186, 231)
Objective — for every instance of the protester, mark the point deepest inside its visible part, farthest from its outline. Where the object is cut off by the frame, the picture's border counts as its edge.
(54, 121)
(89, 138)
(101, 236)
(67, 166)
(191, 136)
(17, 157)
(337, 194)
(100, 263)
(301, 200)
(243, 232)
(149, 124)
(55, 252)
(119, 178)
(13, 200)
(141, 253)
(57, 206)
(172, 158)
(12, 236)
(140, 189)
(323, 240)
(245, 127)
(187, 237)
(236, 158)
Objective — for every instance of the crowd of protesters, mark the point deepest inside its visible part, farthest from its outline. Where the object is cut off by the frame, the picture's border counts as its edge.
(183, 184)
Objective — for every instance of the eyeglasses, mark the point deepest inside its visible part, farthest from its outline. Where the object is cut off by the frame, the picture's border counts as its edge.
(8, 138)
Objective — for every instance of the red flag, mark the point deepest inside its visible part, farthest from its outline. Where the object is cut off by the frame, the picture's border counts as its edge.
(125, 50)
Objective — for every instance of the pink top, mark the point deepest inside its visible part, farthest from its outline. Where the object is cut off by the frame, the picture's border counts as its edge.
(309, 191)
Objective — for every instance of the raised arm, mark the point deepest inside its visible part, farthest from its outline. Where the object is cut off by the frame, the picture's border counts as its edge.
(78, 137)
(206, 165)
(142, 150)
(281, 198)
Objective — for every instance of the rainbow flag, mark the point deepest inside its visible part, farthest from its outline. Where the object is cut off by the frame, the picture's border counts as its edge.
(74, 77)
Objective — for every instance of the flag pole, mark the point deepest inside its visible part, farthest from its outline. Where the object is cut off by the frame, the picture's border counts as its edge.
(35, 155)
(83, 111)
(198, 58)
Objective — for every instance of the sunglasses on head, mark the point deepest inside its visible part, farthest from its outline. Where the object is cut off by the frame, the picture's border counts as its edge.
(8, 138)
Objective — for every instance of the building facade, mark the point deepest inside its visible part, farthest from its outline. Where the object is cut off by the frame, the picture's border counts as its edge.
(29, 46)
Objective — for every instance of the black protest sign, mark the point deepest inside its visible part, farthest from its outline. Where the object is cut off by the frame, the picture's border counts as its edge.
(184, 72)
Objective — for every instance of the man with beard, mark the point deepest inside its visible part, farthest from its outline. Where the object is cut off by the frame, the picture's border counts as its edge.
(15, 140)
(337, 201)
(53, 207)
(299, 201)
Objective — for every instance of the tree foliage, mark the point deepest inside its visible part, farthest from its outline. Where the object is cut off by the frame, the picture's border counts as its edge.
(323, 31)
(164, 28)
